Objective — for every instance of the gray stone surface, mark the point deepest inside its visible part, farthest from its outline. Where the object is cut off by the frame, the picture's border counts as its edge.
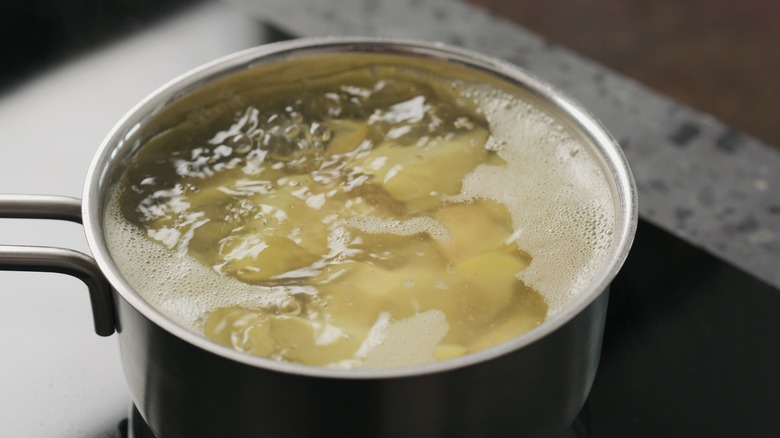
(697, 178)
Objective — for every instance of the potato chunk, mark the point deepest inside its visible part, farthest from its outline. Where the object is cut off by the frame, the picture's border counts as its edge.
(365, 290)
(480, 226)
(346, 135)
(282, 337)
(286, 234)
(420, 175)
(492, 277)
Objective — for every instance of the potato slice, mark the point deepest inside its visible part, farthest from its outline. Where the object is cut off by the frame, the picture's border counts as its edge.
(313, 343)
(346, 135)
(255, 258)
(244, 329)
(282, 337)
(363, 290)
(476, 227)
(492, 275)
(287, 234)
(420, 175)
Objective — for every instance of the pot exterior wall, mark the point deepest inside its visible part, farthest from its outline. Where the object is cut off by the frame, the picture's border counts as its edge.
(184, 391)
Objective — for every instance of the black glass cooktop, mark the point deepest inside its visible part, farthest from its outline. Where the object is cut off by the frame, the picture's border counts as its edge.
(689, 347)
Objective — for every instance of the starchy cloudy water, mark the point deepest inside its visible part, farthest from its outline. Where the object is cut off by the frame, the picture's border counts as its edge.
(376, 217)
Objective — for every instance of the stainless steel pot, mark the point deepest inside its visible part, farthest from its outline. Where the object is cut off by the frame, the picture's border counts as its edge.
(187, 386)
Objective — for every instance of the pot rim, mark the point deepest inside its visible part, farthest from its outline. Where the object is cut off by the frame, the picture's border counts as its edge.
(626, 217)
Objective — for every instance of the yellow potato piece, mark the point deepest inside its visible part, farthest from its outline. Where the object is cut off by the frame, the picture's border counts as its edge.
(294, 338)
(286, 234)
(346, 135)
(256, 339)
(492, 275)
(282, 337)
(365, 290)
(420, 176)
(244, 329)
(255, 258)
(529, 312)
(476, 227)
(304, 341)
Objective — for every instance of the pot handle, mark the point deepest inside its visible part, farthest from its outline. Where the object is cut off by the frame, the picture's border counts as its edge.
(61, 260)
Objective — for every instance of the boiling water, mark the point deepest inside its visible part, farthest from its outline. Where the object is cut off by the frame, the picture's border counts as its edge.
(377, 216)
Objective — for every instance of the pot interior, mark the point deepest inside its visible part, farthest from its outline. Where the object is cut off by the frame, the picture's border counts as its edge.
(210, 98)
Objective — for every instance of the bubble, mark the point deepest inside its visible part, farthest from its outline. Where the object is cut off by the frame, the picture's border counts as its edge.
(320, 132)
(241, 144)
(463, 123)
(292, 132)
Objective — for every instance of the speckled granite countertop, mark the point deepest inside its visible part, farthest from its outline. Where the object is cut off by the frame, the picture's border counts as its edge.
(697, 178)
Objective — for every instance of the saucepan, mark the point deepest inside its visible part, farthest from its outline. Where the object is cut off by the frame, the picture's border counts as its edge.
(187, 386)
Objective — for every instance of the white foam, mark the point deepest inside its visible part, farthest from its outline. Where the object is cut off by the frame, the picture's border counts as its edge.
(409, 227)
(559, 199)
(177, 284)
(407, 341)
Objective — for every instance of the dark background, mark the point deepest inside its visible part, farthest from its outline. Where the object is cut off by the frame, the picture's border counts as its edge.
(39, 34)
(720, 57)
